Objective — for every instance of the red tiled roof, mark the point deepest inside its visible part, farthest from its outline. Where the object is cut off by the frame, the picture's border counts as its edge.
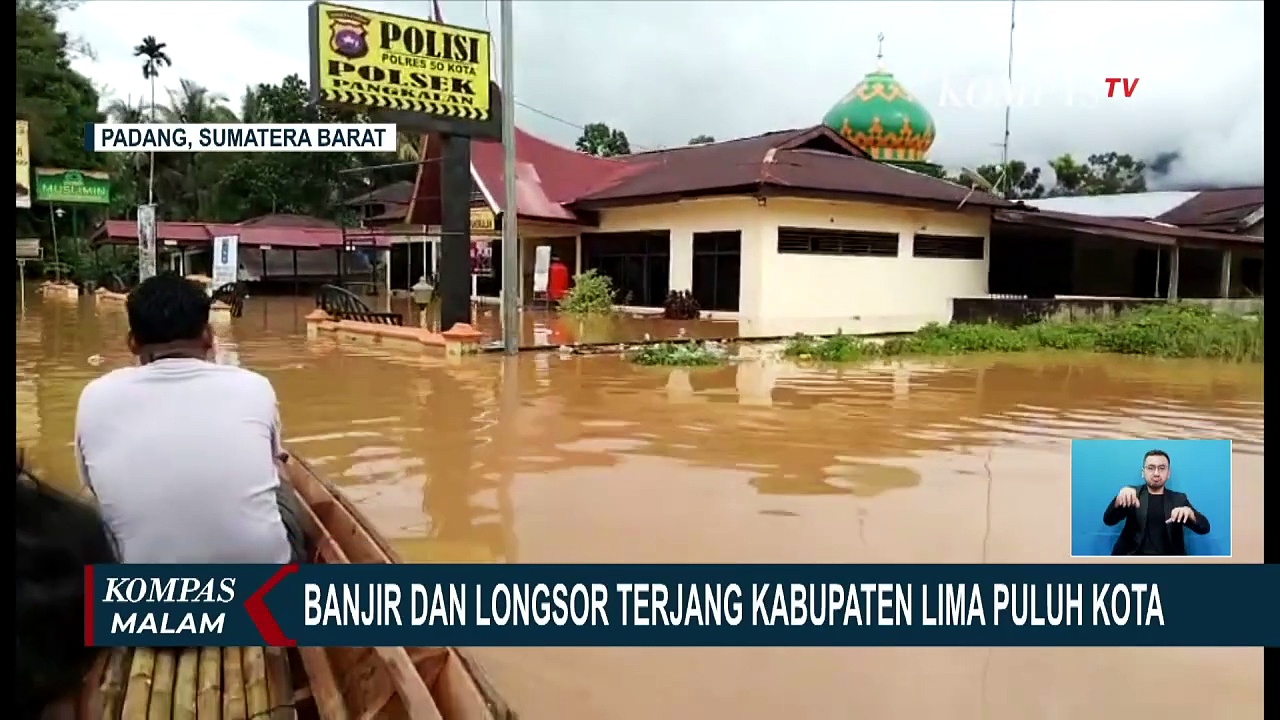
(281, 236)
(1222, 209)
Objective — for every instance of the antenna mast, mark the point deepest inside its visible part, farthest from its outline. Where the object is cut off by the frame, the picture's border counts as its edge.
(1008, 107)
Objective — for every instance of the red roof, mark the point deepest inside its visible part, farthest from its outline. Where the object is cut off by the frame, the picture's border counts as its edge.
(552, 181)
(806, 161)
(1129, 228)
(1222, 209)
(287, 220)
(266, 234)
(548, 177)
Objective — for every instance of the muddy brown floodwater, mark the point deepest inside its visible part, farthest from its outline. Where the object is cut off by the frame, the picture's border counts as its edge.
(544, 459)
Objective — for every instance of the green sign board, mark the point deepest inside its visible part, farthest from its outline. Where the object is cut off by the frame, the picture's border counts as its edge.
(73, 186)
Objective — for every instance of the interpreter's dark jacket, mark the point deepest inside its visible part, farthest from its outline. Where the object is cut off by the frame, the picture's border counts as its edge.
(1135, 522)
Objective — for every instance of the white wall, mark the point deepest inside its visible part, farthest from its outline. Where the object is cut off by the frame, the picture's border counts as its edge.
(785, 293)
(823, 293)
(683, 219)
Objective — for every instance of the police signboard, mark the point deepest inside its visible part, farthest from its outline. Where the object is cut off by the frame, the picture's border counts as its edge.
(413, 72)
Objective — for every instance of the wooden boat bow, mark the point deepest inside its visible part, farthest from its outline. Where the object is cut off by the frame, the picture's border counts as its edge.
(395, 683)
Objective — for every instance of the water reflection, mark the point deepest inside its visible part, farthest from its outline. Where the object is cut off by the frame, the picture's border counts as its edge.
(586, 459)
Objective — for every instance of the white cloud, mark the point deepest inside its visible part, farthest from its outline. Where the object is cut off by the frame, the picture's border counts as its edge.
(666, 71)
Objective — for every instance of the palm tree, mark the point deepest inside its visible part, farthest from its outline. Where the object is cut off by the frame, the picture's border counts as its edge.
(128, 113)
(156, 58)
(192, 175)
(251, 106)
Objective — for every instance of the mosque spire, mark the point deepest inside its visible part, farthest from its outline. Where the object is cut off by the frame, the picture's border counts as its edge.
(880, 52)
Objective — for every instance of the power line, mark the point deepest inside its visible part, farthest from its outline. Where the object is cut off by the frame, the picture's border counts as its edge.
(494, 73)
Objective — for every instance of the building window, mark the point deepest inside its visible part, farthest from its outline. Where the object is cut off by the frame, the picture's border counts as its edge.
(638, 263)
(820, 241)
(948, 247)
(717, 269)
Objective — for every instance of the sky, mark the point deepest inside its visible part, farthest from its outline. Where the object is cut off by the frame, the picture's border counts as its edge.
(666, 71)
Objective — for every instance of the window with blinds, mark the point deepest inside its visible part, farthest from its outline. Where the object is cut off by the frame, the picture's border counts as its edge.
(948, 247)
(822, 241)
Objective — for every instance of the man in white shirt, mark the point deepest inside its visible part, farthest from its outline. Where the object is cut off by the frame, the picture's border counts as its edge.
(181, 452)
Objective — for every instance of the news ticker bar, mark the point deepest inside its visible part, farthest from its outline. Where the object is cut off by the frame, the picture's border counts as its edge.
(683, 605)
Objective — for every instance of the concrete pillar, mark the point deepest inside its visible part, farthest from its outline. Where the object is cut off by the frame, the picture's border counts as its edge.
(386, 270)
(1173, 273)
(1224, 277)
(680, 270)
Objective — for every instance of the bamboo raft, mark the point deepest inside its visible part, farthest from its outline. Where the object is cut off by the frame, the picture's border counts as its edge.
(255, 683)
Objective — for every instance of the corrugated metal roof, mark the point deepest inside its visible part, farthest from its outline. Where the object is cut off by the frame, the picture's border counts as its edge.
(801, 161)
(1145, 206)
(552, 181)
(1141, 230)
(1223, 209)
(187, 233)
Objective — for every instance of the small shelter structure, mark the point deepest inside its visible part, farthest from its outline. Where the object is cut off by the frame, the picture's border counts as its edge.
(278, 253)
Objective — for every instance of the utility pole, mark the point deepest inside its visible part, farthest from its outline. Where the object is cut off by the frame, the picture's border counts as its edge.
(1006, 181)
(510, 237)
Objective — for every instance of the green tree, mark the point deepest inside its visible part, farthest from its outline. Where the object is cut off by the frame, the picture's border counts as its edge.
(305, 183)
(701, 140)
(1015, 182)
(937, 171)
(599, 139)
(250, 106)
(154, 58)
(189, 180)
(1102, 174)
(56, 102)
(128, 170)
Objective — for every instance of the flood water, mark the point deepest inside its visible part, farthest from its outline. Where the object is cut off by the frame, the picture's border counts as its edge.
(587, 459)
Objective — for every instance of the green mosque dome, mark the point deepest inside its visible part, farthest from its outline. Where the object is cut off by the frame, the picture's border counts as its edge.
(883, 119)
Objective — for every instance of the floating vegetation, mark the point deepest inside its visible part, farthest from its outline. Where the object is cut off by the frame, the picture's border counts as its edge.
(683, 354)
(1170, 331)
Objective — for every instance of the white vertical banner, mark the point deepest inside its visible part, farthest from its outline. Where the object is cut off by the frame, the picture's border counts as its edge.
(541, 268)
(146, 241)
(226, 264)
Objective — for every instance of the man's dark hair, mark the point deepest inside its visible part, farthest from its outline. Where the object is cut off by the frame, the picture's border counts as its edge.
(56, 536)
(1156, 453)
(167, 308)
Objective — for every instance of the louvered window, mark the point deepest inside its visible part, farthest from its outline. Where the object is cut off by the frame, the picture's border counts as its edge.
(948, 247)
(821, 241)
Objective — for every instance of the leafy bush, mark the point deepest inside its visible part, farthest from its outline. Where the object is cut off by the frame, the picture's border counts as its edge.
(690, 354)
(1165, 330)
(591, 294)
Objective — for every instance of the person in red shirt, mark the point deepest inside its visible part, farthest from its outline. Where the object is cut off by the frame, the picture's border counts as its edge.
(557, 279)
